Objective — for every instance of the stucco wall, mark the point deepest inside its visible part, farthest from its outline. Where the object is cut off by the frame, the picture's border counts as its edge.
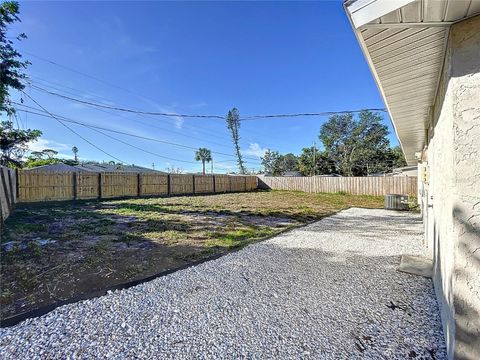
(453, 220)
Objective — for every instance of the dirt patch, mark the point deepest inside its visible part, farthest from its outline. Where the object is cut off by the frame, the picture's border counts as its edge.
(55, 252)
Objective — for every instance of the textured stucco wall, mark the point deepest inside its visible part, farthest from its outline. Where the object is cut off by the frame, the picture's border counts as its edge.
(453, 222)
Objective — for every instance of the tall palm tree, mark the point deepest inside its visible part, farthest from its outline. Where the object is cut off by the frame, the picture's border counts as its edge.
(203, 155)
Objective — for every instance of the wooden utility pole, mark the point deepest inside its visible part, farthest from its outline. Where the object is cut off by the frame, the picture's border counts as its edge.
(314, 159)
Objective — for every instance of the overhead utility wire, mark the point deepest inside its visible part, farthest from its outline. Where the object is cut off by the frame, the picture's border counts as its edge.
(210, 132)
(253, 117)
(131, 145)
(142, 122)
(128, 144)
(73, 131)
(141, 149)
(119, 132)
(325, 113)
(129, 110)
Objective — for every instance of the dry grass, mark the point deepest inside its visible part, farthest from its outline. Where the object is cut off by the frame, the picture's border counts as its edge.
(96, 244)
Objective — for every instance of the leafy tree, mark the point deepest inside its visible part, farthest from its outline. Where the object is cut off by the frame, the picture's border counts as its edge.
(272, 162)
(203, 155)
(233, 124)
(308, 167)
(36, 155)
(14, 143)
(50, 153)
(75, 153)
(11, 64)
(34, 162)
(289, 162)
(351, 144)
(396, 156)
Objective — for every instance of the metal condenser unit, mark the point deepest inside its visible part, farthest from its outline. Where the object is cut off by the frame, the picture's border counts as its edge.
(396, 202)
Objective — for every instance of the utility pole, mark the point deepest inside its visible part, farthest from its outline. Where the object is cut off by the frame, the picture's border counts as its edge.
(314, 159)
(153, 165)
(212, 165)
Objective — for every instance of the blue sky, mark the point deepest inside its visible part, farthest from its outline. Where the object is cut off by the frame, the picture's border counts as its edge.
(191, 57)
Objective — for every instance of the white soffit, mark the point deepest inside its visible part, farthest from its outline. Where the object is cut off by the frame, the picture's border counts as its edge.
(404, 42)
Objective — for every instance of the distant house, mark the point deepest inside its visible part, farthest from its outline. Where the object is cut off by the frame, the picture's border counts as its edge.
(101, 167)
(329, 175)
(59, 167)
(405, 171)
(93, 167)
(292, 173)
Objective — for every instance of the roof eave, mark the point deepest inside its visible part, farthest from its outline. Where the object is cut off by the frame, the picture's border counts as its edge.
(374, 72)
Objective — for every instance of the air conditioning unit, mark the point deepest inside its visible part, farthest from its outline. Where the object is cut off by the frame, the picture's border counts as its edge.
(396, 202)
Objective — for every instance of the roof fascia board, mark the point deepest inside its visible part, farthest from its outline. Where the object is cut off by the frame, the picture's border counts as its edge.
(363, 46)
(407, 25)
(364, 11)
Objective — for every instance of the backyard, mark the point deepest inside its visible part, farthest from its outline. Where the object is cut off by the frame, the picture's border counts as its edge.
(56, 251)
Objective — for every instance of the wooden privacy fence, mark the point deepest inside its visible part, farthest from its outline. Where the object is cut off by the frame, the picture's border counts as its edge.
(37, 186)
(373, 185)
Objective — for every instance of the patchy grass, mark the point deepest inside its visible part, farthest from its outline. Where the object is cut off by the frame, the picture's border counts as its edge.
(56, 251)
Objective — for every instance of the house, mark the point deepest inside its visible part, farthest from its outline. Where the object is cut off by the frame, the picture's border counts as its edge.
(405, 171)
(59, 167)
(105, 167)
(92, 167)
(425, 58)
(292, 173)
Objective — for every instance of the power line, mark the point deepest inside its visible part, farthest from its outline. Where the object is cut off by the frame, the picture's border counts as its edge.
(129, 110)
(142, 122)
(247, 118)
(210, 133)
(73, 131)
(253, 117)
(325, 113)
(120, 132)
(139, 148)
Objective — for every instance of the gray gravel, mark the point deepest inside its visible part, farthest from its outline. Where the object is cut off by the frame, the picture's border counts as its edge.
(328, 290)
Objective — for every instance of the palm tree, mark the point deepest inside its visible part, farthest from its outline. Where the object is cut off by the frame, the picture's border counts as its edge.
(203, 155)
(75, 152)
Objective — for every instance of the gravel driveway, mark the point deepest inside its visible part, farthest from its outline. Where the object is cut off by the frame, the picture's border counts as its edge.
(328, 290)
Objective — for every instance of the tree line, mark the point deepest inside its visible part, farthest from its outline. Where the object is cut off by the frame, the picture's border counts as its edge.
(351, 146)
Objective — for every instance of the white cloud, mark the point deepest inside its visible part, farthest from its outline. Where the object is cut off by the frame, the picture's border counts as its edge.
(255, 150)
(42, 144)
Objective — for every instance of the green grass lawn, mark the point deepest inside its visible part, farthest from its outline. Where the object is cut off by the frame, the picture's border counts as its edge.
(58, 250)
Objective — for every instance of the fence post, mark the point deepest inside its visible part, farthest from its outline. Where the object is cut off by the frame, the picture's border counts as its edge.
(99, 185)
(168, 184)
(193, 183)
(139, 185)
(10, 183)
(75, 185)
(4, 184)
(213, 179)
(17, 188)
